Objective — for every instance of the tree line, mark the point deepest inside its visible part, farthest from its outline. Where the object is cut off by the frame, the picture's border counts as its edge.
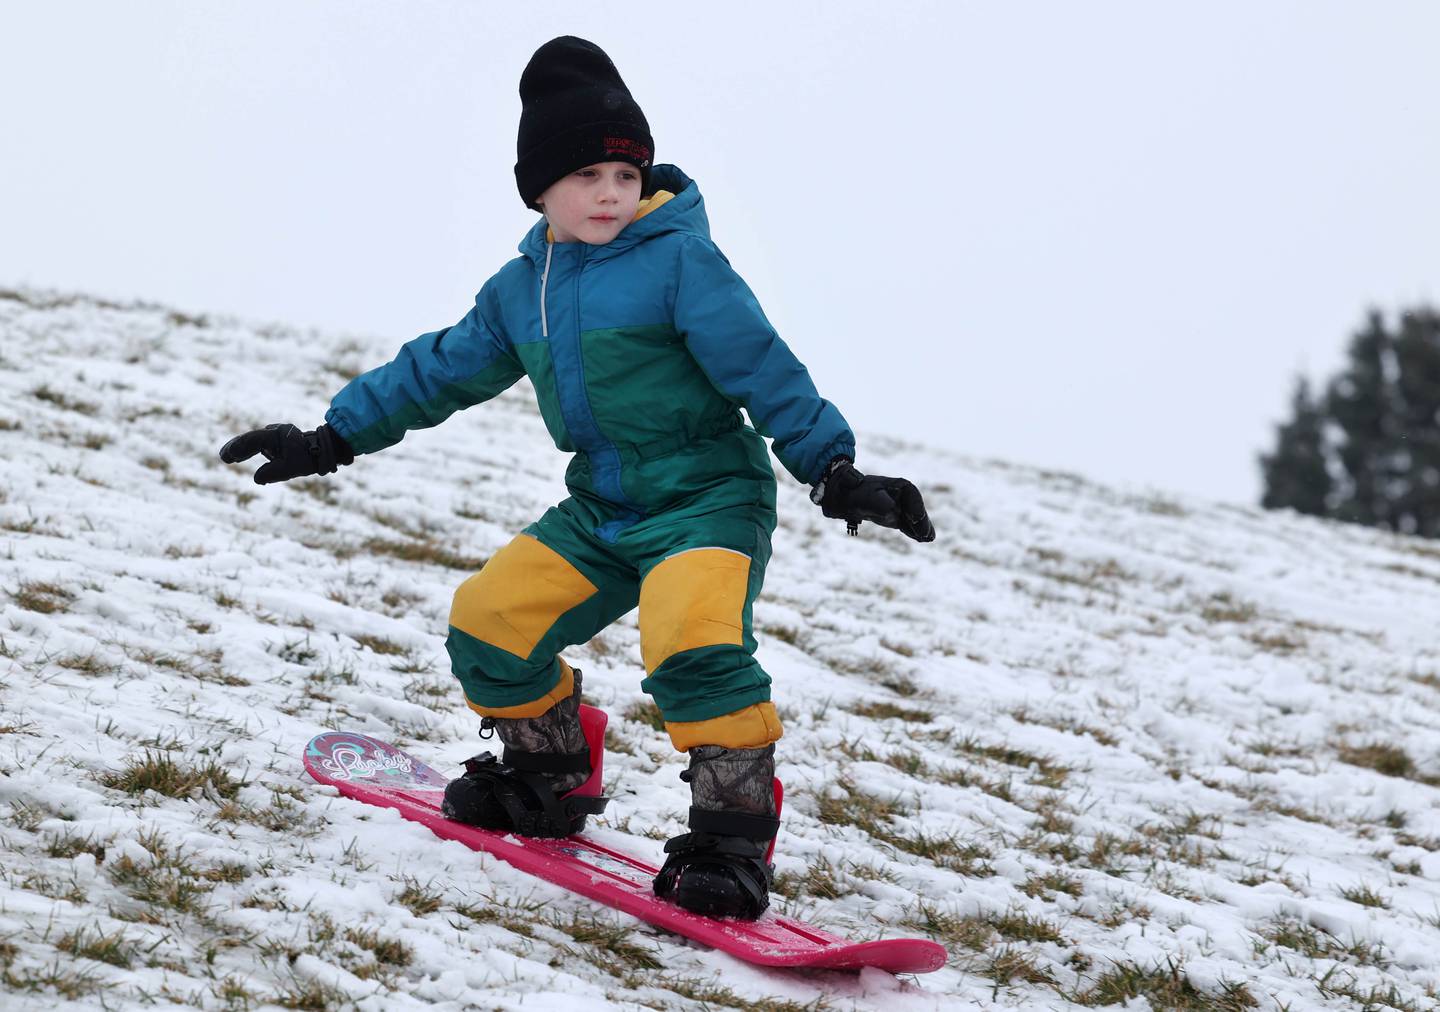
(1366, 447)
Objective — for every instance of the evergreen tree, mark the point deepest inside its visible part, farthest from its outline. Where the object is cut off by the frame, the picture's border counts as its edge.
(1361, 402)
(1417, 359)
(1368, 451)
(1296, 475)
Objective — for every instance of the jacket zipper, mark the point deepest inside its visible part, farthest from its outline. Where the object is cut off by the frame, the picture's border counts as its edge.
(544, 280)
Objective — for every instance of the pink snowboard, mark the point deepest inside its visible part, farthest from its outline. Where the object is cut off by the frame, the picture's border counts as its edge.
(371, 771)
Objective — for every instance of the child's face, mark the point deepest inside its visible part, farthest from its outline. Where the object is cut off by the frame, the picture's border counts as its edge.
(593, 204)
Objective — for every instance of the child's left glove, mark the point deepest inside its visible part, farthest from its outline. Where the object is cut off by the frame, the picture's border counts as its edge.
(843, 493)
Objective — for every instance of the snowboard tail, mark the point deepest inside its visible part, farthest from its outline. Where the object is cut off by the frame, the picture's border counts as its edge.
(376, 773)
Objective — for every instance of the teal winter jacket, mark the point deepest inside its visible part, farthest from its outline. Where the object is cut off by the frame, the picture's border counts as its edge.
(641, 353)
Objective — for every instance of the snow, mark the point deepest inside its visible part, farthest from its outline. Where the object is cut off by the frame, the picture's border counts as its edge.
(1142, 725)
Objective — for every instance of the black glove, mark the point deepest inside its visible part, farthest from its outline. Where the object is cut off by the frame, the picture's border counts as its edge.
(290, 452)
(843, 493)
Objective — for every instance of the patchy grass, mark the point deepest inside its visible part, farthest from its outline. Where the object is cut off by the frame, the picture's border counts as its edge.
(514, 915)
(783, 633)
(430, 691)
(1283, 642)
(56, 889)
(232, 992)
(961, 777)
(1336, 983)
(890, 711)
(615, 743)
(158, 772)
(1226, 608)
(1311, 942)
(1044, 886)
(704, 995)
(1366, 896)
(822, 879)
(63, 400)
(1164, 986)
(226, 600)
(1124, 911)
(115, 948)
(607, 943)
(850, 806)
(87, 664)
(389, 951)
(1050, 773)
(381, 645)
(298, 652)
(282, 815)
(317, 488)
(311, 995)
(203, 665)
(644, 711)
(423, 551)
(1391, 760)
(62, 978)
(1012, 963)
(399, 602)
(901, 685)
(165, 884)
(45, 598)
(1019, 926)
(26, 816)
(1068, 725)
(419, 899)
(69, 843)
(952, 929)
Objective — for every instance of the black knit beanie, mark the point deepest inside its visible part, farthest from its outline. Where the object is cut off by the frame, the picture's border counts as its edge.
(576, 111)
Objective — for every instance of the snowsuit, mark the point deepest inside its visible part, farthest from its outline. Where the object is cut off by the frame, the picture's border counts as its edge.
(641, 353)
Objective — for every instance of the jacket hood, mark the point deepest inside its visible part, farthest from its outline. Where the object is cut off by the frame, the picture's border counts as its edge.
(684, 212)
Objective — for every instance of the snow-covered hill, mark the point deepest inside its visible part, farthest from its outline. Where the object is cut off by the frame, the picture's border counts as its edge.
(1101, 743)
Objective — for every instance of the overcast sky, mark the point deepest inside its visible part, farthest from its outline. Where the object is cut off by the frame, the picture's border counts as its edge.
(1099, 237)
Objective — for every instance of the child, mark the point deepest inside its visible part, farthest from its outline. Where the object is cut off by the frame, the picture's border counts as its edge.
(642, 344)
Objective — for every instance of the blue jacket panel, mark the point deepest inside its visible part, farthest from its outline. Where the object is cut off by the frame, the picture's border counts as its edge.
(610, 336)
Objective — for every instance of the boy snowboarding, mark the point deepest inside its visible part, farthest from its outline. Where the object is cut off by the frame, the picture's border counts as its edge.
(642, 345)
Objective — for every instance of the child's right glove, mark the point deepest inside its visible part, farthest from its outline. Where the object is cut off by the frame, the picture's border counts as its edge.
(290, 452)
(843, 493)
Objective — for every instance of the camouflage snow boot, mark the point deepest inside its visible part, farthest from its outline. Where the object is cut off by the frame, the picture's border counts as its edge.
(528, 790)
(721, 868)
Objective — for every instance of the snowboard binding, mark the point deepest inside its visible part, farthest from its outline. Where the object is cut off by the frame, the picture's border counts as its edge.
(514, 792)
(722, 867)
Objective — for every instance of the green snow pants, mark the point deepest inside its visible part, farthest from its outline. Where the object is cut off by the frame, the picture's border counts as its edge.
(695, 577)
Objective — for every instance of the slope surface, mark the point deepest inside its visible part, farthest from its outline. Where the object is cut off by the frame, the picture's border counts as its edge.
(1101, 743)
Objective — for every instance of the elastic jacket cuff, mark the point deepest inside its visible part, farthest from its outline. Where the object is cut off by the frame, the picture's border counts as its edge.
(817, 491)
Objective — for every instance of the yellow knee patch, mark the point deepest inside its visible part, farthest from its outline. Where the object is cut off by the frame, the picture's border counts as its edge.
(536, 707)
(693, 599)
(753, 727)
(518, 596)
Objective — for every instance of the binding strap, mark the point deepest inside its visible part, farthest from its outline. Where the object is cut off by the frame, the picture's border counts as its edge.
(745, 859)
(547, 762)
(752, 827)
(537, 811)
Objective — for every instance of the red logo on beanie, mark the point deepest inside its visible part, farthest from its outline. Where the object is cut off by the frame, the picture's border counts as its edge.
(631, 149)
